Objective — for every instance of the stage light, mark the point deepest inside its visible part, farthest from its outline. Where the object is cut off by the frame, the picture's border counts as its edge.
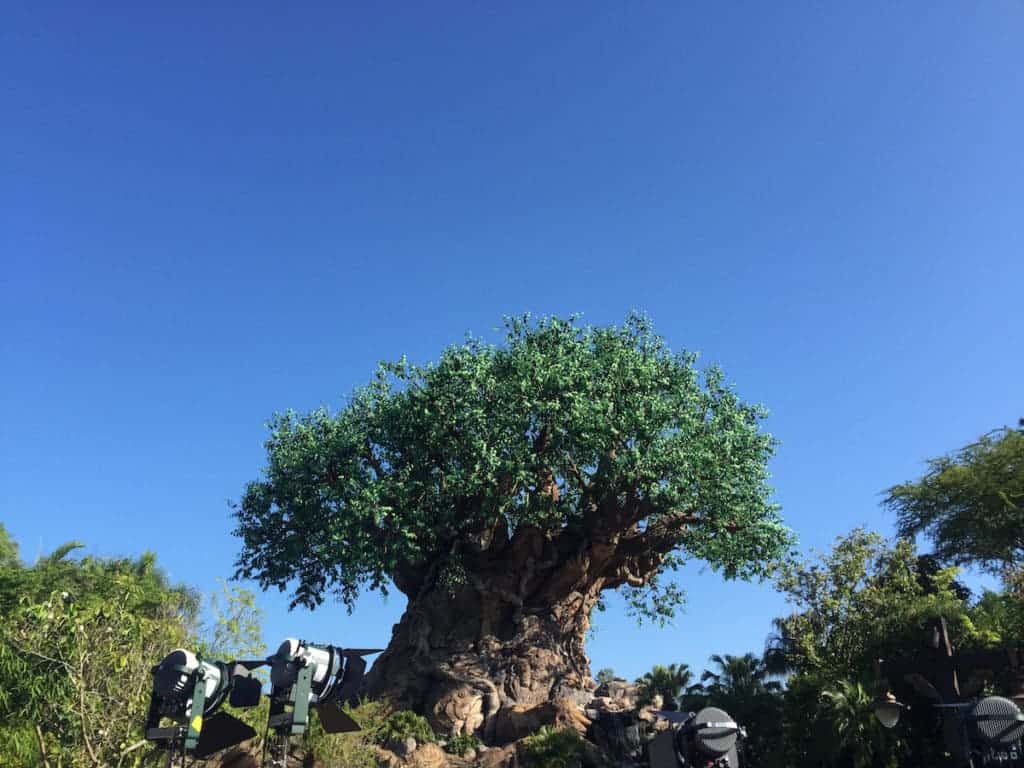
(706, 738)
(189, 690)
(305, 676)
(997, 722)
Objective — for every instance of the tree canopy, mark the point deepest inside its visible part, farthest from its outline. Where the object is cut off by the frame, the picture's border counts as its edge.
(969, 504)
(860, 602)
(588, 434)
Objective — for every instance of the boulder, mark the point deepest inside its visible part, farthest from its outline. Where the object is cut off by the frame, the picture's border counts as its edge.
(618, 695)
(402, 747)
(428, 756)
(515, 723)
(501, 757)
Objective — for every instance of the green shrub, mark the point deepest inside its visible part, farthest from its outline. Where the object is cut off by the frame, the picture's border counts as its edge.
(348, 750)
(462, 744)
(403, 724)
(553, 748)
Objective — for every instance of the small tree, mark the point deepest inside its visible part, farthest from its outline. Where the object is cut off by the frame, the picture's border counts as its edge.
(605, 675)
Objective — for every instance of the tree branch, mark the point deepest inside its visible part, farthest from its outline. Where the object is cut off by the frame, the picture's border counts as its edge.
(42, 746)
(81, 711)
(661, 536)
(128, 750)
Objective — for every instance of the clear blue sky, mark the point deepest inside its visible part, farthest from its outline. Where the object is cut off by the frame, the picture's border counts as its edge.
(209, 213)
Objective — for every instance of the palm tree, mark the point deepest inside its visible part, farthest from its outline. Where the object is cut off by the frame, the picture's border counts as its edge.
(738, 677)
(741, 685)
(668, 682)
(860, 740)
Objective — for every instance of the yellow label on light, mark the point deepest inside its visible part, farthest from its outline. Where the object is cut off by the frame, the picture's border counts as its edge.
(197, 723)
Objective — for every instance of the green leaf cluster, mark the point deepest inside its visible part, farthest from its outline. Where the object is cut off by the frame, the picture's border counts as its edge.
(552, 748)
(347, 750)
(403, 724)
(546, 430)
(969, 504)
(668, 682)
(78, 639)
(463, 744)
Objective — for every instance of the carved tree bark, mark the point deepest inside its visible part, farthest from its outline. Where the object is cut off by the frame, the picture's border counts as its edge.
(510, 634)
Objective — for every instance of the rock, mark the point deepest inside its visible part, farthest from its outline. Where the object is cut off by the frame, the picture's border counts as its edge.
(402, 747)
(429, 756)
(618, 734)
(460, 710)
(503, 757)
(568, 714)
(515, 723)
(238, 758)
(620, 691)
(386, 759)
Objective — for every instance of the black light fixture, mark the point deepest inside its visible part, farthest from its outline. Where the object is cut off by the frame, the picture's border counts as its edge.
(188, 691)
(996, 722)
(705, 738)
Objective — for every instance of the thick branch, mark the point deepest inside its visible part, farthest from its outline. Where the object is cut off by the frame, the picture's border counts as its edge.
(639, 555)
(661, 535)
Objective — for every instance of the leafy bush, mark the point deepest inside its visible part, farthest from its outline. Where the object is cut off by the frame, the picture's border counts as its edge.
(348, 750)
(552, 748)
(403, 724)
(462, 744)
(77, 640)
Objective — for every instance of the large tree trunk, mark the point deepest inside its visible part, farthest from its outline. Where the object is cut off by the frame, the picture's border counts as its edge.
(507, 633)
(508, 638)
(462, 658)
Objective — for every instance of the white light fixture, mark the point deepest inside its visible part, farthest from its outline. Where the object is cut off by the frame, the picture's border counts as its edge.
(887, 709)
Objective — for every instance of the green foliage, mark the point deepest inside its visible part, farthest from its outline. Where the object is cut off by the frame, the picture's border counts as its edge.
(234, 632)
(667, 682)
(737, 676)
(403, 724)
(578, 430)
(8, 549)
(860, 602)
(552, 748)
(969, 504)
(348, 750)
(605, 675)
(998, 618)
(463, 744)
(860, 740)
(77, 640)
(866, 599)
